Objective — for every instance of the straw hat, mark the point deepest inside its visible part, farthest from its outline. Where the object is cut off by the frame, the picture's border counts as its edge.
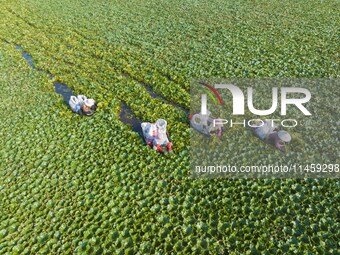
(284, 136)
(89, 102)
(161, 124)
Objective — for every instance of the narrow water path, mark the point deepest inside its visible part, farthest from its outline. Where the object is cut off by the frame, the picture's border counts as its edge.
(60, 88)
(155, 95)
(26, 56)
(127, 117)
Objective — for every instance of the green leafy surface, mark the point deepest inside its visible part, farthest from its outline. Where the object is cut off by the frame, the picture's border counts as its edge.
(70, 184)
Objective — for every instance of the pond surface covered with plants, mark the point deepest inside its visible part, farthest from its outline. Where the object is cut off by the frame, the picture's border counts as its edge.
(89, 185)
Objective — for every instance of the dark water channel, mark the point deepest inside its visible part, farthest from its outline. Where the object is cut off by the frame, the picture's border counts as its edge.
(60, 88)
(127, 117)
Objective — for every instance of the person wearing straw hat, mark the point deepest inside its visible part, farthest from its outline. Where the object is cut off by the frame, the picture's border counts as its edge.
(270, 133)
(82, 105)
(161, 135)
(156, 136)
(88, 107)
(279, 139)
